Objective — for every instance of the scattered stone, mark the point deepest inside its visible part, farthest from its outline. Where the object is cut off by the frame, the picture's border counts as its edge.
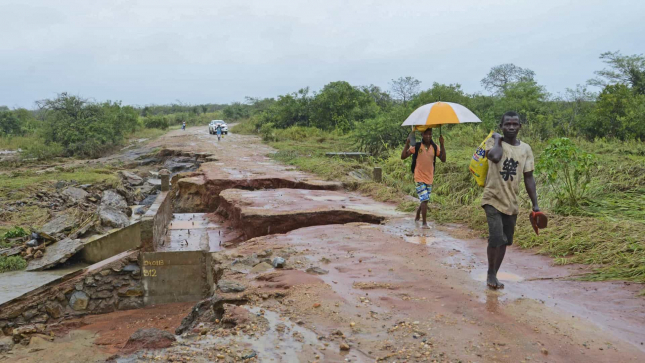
(79, 301)
(132, 178)
(33, 243)
(129, 304)
(76, 195)
(155, 182)
(279, 262)
(261, 267)
(61, 223)
(152, 338)
(344, 346)
(230, 286)
(55, 254)
(113, 217)
(240, 268)
(317, 271)
(317, 305)
(544, 351)
(38, 254)
(248, 260)
(149, 200)
(6, 344)
(28, 329)
(265, 253)
(249, 355)
(113, 199)
(174, 166)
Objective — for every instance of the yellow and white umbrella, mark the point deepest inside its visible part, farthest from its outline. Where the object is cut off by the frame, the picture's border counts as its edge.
(439, 113)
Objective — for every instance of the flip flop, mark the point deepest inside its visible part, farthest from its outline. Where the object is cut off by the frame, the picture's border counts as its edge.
(538, 220)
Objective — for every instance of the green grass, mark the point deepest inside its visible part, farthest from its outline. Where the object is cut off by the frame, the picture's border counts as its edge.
(145, 133)
(12, 263)
(607, 233)
(244, 127)
(18, 142)
(18, 180)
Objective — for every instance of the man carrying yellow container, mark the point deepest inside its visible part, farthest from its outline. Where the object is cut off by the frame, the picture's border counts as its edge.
(509, 159)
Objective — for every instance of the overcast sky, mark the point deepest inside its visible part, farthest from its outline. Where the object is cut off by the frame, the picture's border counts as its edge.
(219, 51)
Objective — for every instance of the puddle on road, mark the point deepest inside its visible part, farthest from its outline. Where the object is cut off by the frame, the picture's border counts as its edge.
(502, 276)
(325, 198)
(422, 240)
(284, 341)
(382, 209)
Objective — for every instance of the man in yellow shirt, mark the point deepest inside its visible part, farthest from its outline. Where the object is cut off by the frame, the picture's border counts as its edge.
(424, 155)
(508, 160)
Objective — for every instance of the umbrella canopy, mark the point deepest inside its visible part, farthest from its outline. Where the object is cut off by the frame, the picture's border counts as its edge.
(440, 113)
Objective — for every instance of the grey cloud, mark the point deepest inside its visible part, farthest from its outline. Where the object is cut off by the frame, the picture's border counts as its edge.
(145, 52)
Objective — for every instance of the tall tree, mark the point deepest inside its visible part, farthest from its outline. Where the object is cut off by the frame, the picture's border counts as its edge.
(405, 88)
(499, 77)
(624, 69)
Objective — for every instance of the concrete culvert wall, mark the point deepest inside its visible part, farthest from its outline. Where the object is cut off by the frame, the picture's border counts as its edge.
(113, 284)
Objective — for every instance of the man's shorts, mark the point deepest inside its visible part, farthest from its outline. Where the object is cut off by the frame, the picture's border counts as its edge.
(501, 227)
(423, 191)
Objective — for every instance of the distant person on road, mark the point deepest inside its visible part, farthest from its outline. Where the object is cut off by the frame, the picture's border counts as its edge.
(508, 158)
(219, 132)
(183, 125)
(424, 157)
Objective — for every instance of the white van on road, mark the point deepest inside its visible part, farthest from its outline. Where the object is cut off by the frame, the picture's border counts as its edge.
(212, 127)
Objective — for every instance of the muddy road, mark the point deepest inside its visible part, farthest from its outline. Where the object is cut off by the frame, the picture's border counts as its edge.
(367, 286)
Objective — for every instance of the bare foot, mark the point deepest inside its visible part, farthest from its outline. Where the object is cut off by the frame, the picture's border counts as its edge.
(492, 282)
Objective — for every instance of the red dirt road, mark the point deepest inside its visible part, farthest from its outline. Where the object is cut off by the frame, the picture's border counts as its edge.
(391, 292)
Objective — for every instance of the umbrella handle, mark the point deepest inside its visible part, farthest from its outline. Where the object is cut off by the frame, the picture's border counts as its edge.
(439, 130)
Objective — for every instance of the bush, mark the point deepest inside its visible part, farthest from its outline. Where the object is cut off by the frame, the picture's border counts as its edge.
(156, 122)
(378, 134)
(84, 128)
(12, 263)
(568, 172)
(10, 124)
(246, 127)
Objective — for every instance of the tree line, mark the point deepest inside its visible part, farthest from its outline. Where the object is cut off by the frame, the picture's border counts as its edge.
(78, 126)
(374, 115)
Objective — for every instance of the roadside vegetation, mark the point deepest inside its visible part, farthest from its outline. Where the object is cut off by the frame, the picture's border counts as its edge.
(11, 263)
(588, 146)
(73, 126)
